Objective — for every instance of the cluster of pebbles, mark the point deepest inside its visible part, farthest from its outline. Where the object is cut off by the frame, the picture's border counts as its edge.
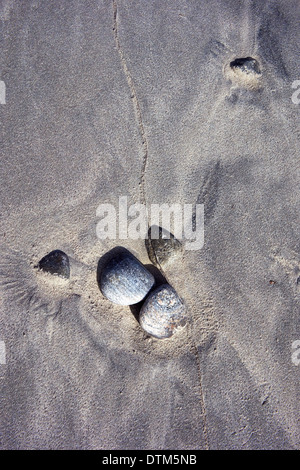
(124, 280)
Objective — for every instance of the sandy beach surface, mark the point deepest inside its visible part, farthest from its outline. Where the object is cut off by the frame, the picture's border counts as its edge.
(146, 99)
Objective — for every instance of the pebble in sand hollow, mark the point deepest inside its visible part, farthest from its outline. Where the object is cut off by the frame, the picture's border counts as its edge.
(57, 263)
(163, 312)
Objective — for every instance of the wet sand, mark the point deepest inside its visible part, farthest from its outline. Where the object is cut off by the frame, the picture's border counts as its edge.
(138, 99)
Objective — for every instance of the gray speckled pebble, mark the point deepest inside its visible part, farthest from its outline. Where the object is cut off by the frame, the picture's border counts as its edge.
(124, 280)
(163, 312)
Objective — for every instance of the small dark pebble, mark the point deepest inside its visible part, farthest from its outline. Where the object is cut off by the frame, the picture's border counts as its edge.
(247, 65)
(161, 245)
(57, 263)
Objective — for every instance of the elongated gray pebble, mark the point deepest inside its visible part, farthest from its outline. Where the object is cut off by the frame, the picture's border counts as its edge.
(163, 312)
(124, 280)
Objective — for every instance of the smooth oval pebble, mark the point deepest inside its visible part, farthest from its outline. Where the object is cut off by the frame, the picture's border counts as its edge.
(163, 312)
(56, 262)
(124, 280)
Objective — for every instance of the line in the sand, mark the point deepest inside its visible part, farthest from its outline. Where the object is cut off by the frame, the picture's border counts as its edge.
(135, 103)
(142, 184)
